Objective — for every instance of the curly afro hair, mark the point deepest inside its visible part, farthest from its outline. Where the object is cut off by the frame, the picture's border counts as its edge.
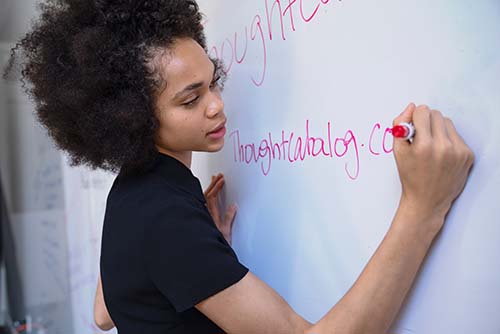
(88, 68)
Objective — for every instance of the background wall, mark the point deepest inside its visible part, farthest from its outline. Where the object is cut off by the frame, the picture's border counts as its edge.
(56, 210)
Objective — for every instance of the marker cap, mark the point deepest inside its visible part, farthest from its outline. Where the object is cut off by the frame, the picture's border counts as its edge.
(403, 130)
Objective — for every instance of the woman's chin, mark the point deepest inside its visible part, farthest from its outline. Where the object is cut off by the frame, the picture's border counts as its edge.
(215, 147)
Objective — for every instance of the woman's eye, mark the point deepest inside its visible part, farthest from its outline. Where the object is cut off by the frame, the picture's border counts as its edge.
(191, 103)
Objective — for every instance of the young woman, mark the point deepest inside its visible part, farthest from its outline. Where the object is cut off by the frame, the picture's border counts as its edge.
(128, 86)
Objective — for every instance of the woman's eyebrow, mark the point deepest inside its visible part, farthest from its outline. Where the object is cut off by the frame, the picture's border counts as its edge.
(193, 86)
(189, 88)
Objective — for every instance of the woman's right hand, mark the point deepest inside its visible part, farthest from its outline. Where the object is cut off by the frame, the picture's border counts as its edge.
(434, 167)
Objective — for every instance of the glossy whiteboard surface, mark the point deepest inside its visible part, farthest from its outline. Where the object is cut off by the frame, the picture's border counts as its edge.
(313, 86)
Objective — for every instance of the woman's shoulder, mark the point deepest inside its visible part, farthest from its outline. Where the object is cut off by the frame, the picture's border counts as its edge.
(134, 202)
(152, 190)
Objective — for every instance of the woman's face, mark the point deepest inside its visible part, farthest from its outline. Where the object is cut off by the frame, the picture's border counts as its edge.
(190, 109)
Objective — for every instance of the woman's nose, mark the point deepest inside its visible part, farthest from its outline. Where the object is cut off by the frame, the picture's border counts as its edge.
(216, 105)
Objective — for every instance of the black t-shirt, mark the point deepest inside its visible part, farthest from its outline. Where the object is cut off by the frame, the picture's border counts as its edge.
(162, 253)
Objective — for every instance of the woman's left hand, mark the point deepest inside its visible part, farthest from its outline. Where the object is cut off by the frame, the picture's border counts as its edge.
(224, 224)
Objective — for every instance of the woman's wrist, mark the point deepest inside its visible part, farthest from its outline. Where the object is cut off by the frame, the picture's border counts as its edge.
(423, 221)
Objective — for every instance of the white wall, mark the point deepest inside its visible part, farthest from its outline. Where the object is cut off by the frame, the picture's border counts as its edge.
(32, 176)
(15, 17)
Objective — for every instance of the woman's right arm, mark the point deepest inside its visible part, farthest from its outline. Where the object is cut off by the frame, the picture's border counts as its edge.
(101, 315)
(433, 170)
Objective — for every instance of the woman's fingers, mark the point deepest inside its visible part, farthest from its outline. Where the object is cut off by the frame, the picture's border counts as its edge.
(210, 186)
(422, 122)
(213, 183)
(458, 142)
(230, 214)
(405, 117)
(438, 127)
(225, 225)
(211, 196)
(214, 180)
(216, 188)
(452, 132)
(228, 222)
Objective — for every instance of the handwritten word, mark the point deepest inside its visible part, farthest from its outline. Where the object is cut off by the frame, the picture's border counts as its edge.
(291, 147)
(234, 50)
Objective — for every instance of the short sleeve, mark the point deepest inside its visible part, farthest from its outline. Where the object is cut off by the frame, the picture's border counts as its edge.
(188, 258)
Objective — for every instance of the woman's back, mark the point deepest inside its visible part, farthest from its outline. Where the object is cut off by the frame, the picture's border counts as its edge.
(159, 252)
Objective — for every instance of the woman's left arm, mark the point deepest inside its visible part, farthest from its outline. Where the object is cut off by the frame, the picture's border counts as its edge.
(101, 315)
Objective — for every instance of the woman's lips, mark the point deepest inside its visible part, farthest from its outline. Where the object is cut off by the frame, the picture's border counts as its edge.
(218, 133)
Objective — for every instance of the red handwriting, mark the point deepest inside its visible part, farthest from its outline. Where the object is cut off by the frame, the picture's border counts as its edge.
(238, 48)
(291, 147)
(385, 147)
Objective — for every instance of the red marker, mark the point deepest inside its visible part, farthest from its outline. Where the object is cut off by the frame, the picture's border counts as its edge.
(403, 130)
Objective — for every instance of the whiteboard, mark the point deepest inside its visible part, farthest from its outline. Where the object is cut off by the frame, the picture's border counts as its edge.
(334, 74)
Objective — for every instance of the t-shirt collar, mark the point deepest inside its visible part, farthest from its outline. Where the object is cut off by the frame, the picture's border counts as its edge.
(180, 176)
